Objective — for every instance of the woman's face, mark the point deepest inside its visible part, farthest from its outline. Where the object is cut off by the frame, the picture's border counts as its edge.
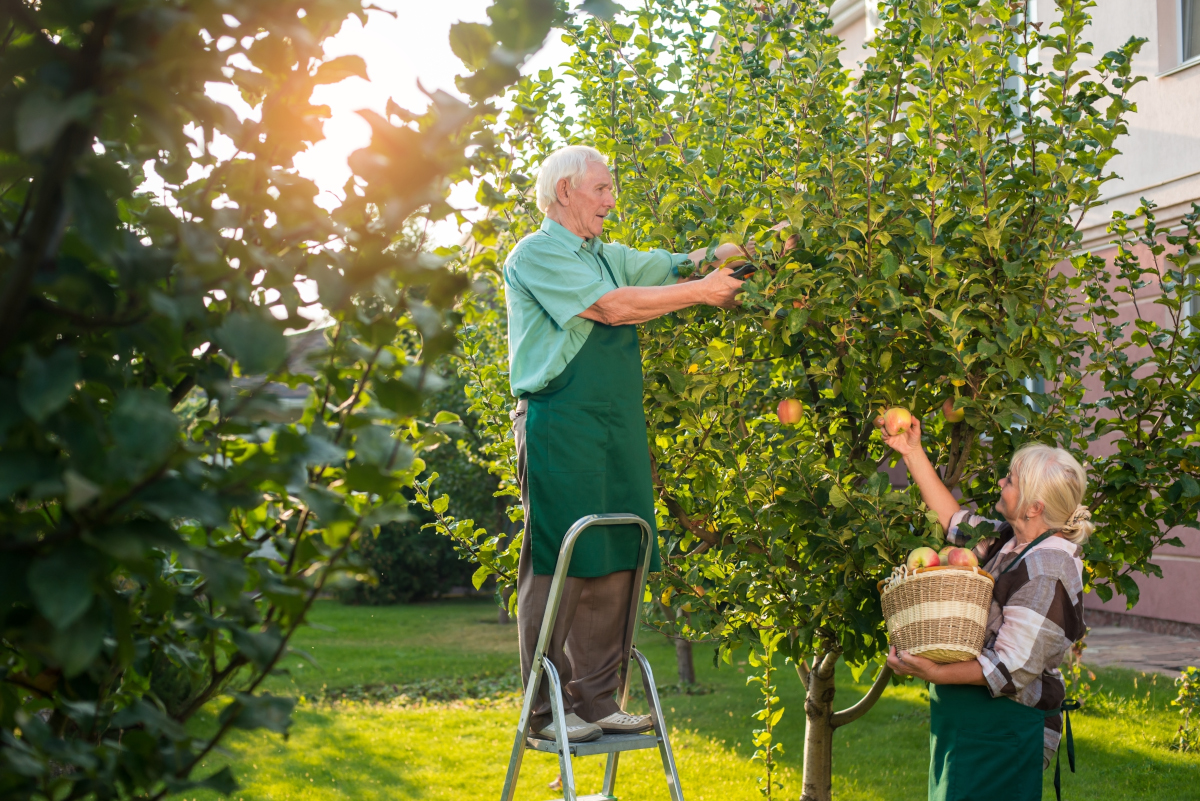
(1010, 497)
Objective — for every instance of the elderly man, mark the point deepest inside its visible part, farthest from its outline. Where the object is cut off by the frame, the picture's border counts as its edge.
(573, 308)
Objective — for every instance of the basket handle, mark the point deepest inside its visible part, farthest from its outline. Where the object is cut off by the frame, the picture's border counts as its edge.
(901, 572)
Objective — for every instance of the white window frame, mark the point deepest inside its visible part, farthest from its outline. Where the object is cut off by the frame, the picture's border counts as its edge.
(1179, 32)
(1176, 19)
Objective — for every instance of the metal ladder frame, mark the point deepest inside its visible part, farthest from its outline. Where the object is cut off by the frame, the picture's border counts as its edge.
(611, 744)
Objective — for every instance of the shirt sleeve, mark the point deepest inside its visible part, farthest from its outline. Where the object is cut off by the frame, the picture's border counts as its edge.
(1030, 640)
(561, 283)
(656, 267)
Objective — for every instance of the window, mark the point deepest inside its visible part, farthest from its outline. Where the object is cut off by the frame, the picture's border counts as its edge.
(1189, 30)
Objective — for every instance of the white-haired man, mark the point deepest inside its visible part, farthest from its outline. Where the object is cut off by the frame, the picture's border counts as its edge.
(573, 308)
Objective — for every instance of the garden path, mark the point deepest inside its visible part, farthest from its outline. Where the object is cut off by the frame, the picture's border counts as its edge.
(1114, 646)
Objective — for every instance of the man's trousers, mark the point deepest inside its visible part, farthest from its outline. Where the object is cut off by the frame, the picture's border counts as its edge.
(592, 629)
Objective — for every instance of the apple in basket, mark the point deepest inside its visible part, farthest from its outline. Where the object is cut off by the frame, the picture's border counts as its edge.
(922, 557)
(962, 557)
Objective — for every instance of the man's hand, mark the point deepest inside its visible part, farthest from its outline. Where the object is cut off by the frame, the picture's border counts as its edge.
(719, 289)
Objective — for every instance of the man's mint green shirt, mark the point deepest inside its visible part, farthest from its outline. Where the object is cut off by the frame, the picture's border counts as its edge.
(550, 277)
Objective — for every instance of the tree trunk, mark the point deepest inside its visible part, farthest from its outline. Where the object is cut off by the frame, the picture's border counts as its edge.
(818, 731)
(683, 659)
(821, 720)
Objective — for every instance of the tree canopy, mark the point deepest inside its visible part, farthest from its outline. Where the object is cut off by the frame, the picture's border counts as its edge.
(168, 519)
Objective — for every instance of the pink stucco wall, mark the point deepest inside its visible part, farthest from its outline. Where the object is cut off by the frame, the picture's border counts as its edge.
(1175, 596)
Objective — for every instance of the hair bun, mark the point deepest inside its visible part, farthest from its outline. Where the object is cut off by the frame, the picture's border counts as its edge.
(1080, 515)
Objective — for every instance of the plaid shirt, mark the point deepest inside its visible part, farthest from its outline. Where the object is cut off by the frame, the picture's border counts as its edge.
(1035, 616)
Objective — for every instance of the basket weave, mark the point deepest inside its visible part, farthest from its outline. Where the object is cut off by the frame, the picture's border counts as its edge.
(938, 612)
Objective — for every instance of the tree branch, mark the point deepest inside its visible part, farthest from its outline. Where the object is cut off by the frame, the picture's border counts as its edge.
(853, 713)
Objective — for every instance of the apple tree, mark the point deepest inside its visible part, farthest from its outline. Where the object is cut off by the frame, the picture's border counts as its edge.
(933, 194)
(167, 521)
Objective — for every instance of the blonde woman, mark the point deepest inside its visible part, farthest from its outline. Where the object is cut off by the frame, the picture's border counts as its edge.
(995, 721)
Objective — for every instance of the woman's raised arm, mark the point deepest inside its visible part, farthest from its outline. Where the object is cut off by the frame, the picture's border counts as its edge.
(933, 491)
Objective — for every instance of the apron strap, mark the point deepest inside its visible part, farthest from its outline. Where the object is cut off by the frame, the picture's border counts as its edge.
(1028, 548)
(1067, 707)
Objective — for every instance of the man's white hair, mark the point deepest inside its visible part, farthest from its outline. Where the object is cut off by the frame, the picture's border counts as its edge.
(570, 162)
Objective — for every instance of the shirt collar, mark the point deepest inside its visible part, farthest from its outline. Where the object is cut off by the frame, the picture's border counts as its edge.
(559, 233)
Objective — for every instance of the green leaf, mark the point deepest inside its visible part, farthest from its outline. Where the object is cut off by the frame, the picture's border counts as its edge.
(837, 497)
(604, 9)
(144, 431)
(80, 491)
(440, 504)
(61, 583)
(76, 646)
(265, 711)
(254, 341)
(42, 118)
(472, 43)
(259, 647)
(341, 68)
(45, 385)
(222, 782)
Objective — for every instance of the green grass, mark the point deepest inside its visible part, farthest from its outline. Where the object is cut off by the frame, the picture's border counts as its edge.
(459, 750)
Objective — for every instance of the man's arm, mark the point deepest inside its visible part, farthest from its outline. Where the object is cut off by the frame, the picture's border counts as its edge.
(636, 304)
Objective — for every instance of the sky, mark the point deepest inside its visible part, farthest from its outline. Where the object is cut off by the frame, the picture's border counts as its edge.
(413, 45)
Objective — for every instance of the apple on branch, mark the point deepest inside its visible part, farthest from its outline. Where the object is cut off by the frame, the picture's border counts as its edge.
(951, 414)
(790, 411)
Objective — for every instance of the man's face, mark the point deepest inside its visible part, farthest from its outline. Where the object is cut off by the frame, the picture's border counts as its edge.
(584, 207)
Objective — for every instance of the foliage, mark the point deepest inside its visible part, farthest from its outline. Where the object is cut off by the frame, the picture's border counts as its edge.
(410, 561)
(164, 535)
(1149, 370)
(1076, 676)
(770, 714)
(934, 191)
(1188, 702)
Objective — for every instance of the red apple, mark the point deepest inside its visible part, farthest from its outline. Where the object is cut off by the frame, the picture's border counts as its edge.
(951, 414)
(790, 411)
(944, 555)
(962, 557)
(922, 557)
(896, 421)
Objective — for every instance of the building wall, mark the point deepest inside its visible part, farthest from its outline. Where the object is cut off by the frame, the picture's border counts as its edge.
(1160, 161)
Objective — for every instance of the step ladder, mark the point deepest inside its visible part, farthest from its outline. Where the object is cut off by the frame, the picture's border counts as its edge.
(611, 744)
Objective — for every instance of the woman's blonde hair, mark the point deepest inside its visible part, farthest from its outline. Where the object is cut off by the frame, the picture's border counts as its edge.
(1054, 477)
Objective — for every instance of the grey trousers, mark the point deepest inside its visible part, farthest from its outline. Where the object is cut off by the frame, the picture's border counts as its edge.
(591, 632)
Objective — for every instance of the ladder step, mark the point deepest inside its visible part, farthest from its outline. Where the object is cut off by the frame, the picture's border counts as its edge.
(607, 744)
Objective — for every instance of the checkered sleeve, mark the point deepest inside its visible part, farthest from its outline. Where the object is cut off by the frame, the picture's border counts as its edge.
(1031, 639)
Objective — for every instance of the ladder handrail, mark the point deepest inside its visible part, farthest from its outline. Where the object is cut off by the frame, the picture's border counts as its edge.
(542, 665)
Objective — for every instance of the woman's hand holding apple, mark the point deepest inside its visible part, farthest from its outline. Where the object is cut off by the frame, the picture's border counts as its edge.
(904, 442)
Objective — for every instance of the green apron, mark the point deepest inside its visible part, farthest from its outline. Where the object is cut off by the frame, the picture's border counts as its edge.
(983, 748)
(587, 453)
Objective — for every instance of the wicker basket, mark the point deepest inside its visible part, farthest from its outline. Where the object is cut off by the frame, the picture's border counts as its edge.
(938, 612)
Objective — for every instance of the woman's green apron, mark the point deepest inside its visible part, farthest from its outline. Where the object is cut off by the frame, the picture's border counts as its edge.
(588, 454)
(984, 748)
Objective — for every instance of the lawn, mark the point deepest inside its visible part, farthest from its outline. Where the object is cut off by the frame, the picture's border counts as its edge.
(401, 748)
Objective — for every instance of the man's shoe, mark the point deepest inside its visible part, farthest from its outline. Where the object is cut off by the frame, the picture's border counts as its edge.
(578, 730)
(620, 723)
